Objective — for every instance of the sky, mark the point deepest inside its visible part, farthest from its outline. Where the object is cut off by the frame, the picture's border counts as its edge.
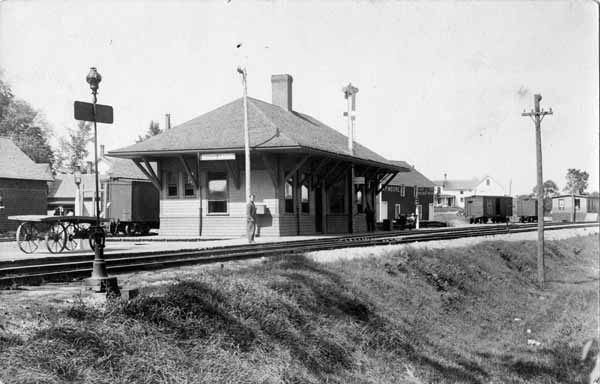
(442, 84)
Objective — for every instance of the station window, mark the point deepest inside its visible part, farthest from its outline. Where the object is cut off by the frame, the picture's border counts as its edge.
(217, 192)
(359, 198)
(487, 182)
(336, 197)
(397, 211)
(289, 195)
(304, 195)
(402, 191)
(578, 204)
(561, 204)
(188, 187)
(305, 200)
(462, 199)
(172, 181)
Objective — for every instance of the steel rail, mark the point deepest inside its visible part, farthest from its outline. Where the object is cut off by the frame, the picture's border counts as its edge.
(69, 268)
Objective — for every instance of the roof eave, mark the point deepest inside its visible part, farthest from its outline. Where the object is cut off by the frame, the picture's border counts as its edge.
(165, 153)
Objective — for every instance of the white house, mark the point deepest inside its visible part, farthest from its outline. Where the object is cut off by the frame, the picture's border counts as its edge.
(452, 193)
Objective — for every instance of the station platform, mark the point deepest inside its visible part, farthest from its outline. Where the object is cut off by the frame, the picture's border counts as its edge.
(9, 250)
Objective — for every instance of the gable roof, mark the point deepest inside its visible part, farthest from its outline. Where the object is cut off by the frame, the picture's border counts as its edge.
(411, 178)
(458, 184)
(270, 127)
(124, 169)
(15, 164)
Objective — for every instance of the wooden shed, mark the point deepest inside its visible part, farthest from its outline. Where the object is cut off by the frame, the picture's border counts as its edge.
(23, 185)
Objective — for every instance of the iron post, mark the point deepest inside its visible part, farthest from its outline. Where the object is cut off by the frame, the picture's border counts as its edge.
(99, 277)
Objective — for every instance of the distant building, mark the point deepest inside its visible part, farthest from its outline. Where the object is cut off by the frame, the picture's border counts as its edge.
(586, 207)
(399, 197)
(63, 190)
(452, 193)
(23, 185)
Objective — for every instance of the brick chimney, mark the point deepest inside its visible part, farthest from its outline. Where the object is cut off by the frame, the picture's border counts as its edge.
(282, 91)
(167, 121)
(444, 183)
(101, 150)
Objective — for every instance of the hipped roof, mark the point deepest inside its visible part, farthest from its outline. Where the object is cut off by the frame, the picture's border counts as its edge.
(411, 178)
(15, 164)
(271, 127)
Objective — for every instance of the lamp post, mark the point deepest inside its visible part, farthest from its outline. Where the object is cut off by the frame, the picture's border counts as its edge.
(78, 201)
(99, 274)
(242, 71)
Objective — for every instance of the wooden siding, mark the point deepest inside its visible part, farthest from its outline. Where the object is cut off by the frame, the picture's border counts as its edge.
(180, 217)
(188, 216)
(21, 197)
(392, 195)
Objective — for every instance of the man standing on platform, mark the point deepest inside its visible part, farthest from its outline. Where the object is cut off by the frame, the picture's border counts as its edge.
(251, 217)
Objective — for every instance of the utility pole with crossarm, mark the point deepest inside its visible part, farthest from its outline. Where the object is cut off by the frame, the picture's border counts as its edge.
(537, 115)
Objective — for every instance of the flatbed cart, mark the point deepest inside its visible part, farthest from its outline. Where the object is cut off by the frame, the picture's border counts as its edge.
(59, 232)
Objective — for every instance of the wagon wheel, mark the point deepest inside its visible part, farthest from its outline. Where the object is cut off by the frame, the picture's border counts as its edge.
(27, 237)
(56, 238)
(71, 242)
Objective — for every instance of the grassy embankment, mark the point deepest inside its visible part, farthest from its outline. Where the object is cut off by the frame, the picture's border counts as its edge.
(414, 316)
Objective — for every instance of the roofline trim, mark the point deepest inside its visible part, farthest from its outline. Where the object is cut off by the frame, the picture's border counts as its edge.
(136, 154)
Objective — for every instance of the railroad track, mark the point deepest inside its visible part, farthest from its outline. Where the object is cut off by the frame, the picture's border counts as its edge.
(67, 268)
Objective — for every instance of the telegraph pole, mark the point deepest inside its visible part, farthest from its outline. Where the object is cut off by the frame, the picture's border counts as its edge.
(537, 115)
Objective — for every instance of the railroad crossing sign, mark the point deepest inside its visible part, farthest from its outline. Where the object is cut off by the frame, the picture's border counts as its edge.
(85, 111)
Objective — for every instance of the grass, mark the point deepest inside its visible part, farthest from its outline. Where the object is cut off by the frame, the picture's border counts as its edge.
(410, 316)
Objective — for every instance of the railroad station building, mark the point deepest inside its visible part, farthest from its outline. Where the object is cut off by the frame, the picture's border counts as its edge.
(305, 178)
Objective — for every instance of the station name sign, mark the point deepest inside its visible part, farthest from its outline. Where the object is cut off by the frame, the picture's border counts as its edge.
(85, 111)
(216, 156)
(422, 191)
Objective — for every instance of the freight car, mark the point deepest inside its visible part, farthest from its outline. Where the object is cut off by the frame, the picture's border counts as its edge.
(525, 208)
(481, 209)
(132, 206)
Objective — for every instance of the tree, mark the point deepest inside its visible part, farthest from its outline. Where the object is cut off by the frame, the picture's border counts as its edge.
(153, 130)
(577, 181)
(550, 188)
(21, 123)
(73, 148)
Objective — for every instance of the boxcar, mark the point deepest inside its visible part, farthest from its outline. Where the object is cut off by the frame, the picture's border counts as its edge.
(481, 209)
(132, 206)
(525, 208)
